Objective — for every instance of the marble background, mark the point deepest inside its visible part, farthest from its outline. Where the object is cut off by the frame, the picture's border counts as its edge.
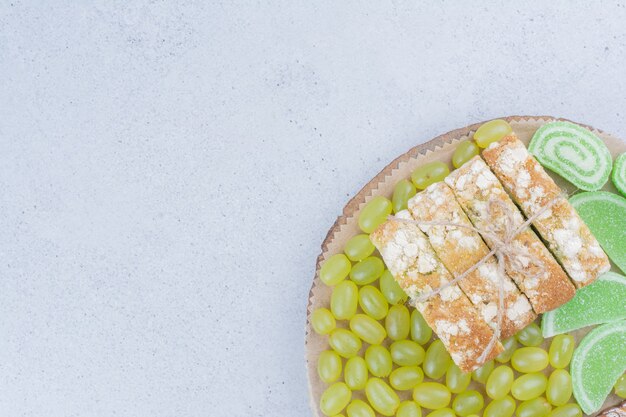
(169, 169)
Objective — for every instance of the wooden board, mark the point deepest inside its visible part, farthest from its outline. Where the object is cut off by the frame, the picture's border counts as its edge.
(437, 149)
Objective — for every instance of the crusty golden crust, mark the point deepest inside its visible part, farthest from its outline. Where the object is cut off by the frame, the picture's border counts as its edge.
(461, 248)
(546, 285)
(450, 314)
(569, 239)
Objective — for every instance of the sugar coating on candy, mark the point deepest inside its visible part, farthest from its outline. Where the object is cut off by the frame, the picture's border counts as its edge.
(598, 362)
(573, 152)
(600, 302)
(605, 214)
(618, 176)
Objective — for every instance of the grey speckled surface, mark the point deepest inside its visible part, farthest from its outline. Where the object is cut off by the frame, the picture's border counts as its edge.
(168, 172)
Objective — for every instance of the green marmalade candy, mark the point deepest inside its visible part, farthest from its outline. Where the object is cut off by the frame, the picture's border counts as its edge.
(573, 152)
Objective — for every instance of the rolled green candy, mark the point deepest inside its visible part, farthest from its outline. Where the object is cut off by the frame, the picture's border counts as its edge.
(573, 152)
(618, 176)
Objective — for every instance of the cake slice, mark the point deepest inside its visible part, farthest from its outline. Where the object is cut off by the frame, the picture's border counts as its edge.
(567, 236)
(418, 270)
(461, 248)
(535, 271)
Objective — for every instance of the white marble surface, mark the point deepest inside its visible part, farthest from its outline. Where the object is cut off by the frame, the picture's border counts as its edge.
(168, 172)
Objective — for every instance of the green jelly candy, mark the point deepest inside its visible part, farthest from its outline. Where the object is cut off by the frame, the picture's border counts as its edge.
(573, 152)
(618, 176)
(599, 302)
(605, 214)
(598, 362)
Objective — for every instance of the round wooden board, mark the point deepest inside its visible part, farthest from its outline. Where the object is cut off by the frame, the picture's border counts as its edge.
(437, 149)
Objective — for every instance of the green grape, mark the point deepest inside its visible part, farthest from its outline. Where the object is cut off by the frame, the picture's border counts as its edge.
(491, 131)
(482, 374)
(344, 342)
(406, 377)
(358, 247)
(374, 213)
(559, 389)
(510, 345)
(409, 409)
(344, 300)
(407, 353)
(355, 373)
(499, 382)
(529, 386)
(322, 321)
(567, 410)
(329, 366)
(431, 395)
(367, 329)
(373, 302)
(620, 386)
(538, 407)
(420, 330)
(335, 398)
(367, 271)
(398, 322)
(359, 408)
(443, 412)
(335, 269)
(437, 360)
(464, 151)
(504, 407)
(529, 359)
(457, 380)
(382, 397)
(561, 350)
(391, 290)
(429, 174)
(402, 194)
(378, 360)
(528, 336)
(468, 402)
